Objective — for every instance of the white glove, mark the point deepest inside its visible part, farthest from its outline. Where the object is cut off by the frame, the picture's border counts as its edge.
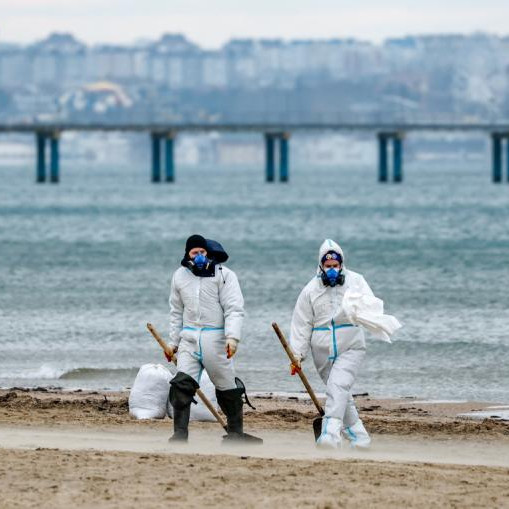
(231, 347)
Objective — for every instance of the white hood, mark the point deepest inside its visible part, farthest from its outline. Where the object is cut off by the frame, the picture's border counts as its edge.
(329, 245)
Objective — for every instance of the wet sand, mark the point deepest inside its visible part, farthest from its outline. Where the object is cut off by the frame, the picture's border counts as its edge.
(407, 416)
(83, 449)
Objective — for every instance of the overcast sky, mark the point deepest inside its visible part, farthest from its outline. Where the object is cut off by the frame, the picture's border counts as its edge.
(212, 22)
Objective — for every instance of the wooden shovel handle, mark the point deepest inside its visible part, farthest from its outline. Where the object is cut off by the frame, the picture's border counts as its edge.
(210, 406)
(294, 361)
(200, 394)
(160, 340)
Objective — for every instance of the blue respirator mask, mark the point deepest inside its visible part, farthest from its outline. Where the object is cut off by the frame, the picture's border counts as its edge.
(200, 261)
(201, 266)
(332, 277)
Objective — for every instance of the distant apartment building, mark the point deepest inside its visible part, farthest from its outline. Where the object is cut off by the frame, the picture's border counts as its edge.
(214, 70)
(241, 63)
(436, 73)
(59, 59)
(115, 63)
(15, 67)
(62, 61)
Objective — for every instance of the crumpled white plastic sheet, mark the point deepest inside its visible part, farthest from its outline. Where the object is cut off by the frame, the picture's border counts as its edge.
(368, 312)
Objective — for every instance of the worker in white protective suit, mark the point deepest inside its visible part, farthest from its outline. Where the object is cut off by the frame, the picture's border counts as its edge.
(336, 341)
(206, 315)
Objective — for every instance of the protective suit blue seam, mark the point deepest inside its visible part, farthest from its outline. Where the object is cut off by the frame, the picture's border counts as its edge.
(353, 436)
(200, 353)
(203, 328)
(321, 328)
(344, 325)
(334, 356)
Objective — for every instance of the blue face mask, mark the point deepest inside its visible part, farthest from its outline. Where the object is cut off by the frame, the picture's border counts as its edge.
(332, 277)
(200, 260)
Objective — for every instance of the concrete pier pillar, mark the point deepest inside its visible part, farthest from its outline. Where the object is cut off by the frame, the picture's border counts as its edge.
(269, 157)
(284, 157)
(54, 158)
(169, 162)
(496, 157)
(382, 158)
(396, 139)
(397, 158)
(507, 157)
(156, 157)
(41, 157)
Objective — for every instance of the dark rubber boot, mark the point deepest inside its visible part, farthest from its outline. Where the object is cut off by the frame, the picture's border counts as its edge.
(182, 391)
(181, 424)
(231, 404)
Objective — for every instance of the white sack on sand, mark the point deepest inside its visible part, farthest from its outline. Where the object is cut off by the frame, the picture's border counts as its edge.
(149, 396)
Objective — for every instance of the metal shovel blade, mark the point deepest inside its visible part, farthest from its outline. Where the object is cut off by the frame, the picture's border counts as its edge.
(252, 439)
(317, 427)
(244, 438)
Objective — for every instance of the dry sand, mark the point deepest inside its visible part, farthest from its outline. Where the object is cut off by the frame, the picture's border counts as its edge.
(82, 449)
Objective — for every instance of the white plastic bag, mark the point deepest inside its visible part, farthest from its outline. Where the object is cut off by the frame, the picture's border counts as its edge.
(368, 311)
(149, 395)
(200, 412)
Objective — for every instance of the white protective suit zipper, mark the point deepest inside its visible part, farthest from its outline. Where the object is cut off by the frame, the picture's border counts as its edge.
(198, 314)
(335, 306)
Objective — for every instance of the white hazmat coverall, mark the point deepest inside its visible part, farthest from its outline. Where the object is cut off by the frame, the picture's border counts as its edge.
(337, 346)
(204, 312)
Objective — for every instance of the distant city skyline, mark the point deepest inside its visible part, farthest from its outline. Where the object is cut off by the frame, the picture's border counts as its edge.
(212, 23)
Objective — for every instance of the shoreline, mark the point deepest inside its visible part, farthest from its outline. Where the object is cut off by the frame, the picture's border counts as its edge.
(300, 395)
(405, 416)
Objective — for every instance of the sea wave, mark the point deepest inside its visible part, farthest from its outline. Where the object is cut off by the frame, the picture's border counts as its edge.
(46, 372)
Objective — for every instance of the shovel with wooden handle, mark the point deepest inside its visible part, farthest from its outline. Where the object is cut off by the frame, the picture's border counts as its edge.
(200, 394)
(317, 423)
(245, 436)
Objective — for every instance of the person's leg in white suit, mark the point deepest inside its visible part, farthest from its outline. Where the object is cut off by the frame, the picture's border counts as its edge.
(339, 399)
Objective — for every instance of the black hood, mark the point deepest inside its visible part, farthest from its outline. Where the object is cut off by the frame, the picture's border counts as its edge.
(216, 252)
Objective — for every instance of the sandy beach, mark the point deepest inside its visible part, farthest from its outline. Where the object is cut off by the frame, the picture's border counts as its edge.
(83, 449)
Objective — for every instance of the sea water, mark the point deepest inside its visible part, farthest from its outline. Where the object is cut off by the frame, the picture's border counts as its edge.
(85, 264)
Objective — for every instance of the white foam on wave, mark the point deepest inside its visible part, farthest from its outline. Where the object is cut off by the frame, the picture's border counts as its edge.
(439, 401)
(44, 372)
(284, 395)
(48, 372)
(497, 415)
